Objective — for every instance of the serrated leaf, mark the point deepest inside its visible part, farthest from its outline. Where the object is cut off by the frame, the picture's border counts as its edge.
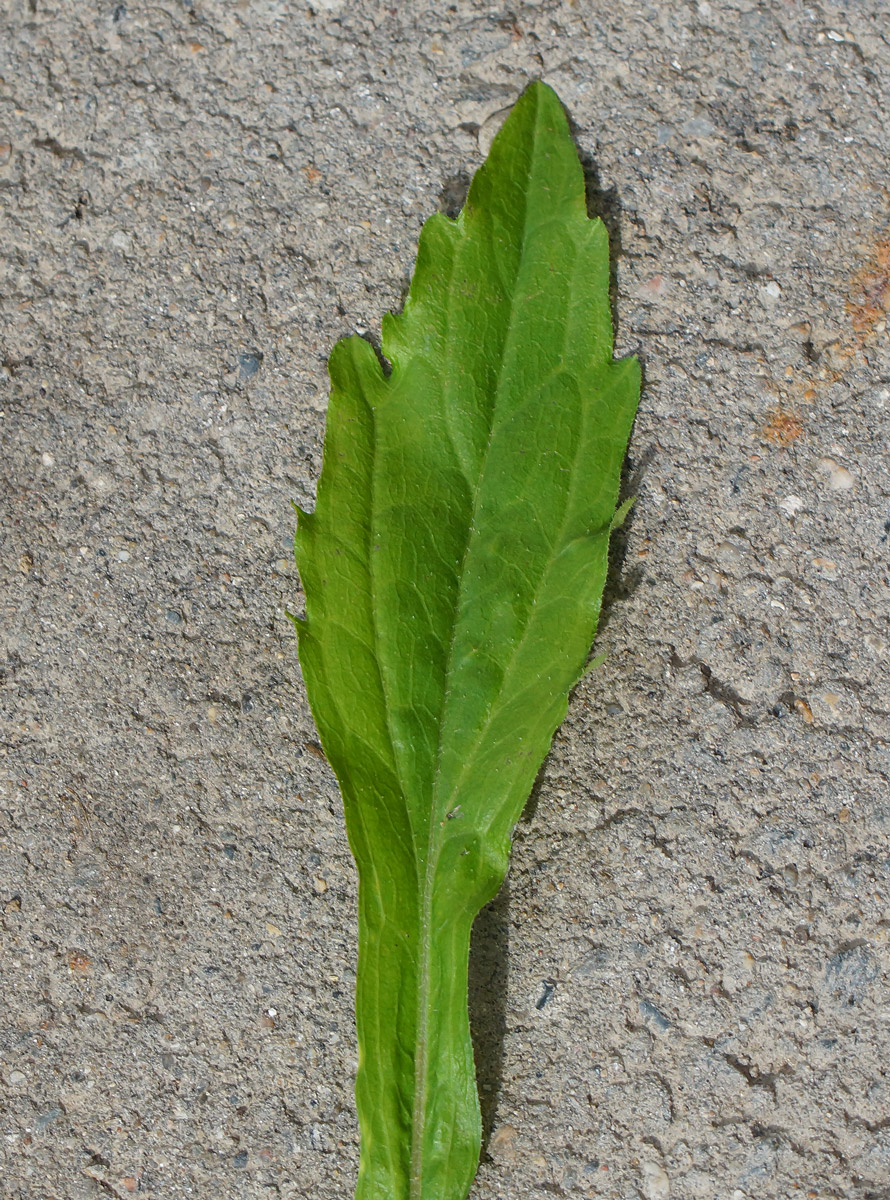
(453, 571)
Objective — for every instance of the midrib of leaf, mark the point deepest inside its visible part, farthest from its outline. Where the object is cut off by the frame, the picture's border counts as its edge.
(434, 840)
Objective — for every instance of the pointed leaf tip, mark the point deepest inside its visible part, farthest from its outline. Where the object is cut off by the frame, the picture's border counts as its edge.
(532, 170)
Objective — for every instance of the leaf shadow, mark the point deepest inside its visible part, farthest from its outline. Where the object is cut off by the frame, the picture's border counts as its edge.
(605, 203)
(622, 581)
(454, 194)
(487, 1001)
(488, 979)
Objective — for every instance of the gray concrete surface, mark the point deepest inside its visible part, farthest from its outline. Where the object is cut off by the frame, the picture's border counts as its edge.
(683, 990)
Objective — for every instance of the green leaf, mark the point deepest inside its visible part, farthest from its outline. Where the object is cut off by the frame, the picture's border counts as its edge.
(453, 571)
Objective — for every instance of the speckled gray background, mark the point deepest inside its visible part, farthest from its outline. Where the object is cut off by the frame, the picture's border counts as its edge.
(683, 990)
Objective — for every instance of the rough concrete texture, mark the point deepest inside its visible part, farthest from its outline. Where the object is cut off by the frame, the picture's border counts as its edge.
(683, 989)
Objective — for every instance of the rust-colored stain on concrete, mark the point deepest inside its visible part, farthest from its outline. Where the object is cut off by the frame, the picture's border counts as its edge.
(869, 301)
(782, 427)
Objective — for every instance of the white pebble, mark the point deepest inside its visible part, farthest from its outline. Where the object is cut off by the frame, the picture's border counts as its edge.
(839, 478)
(656, 1185)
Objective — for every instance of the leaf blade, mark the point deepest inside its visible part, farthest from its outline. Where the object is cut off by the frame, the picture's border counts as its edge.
(463, 514)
